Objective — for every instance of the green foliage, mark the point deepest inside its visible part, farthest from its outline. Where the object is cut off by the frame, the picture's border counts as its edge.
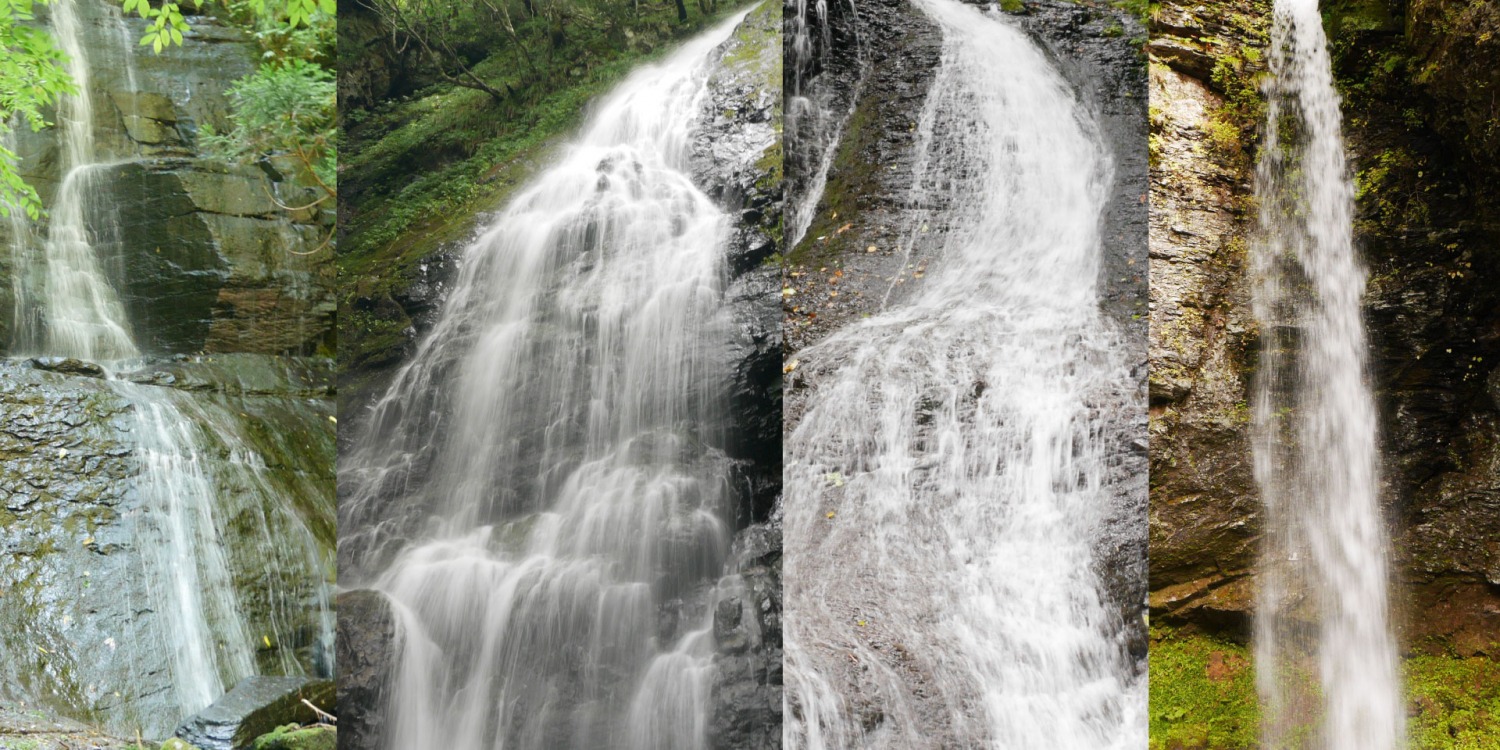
(1141, 9)
(284, 107)
(1202, 693)
(31, 78)
(167, 23)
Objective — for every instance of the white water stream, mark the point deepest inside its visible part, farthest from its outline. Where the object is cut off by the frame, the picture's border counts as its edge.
(947, 487)
(545, 498)
(1325, 653)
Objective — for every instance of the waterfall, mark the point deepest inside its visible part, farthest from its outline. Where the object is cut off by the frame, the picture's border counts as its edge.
(201, 477)
(84, 315)
(814, 116)
(947, 487)
(1324, 646)
(541, 492)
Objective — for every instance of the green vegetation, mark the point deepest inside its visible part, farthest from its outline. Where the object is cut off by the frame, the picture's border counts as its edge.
(31, 78)
(1203, 697)
(1202, 693)
(167, 22)
(285, 107)
(1457, 703)
(1390, 187)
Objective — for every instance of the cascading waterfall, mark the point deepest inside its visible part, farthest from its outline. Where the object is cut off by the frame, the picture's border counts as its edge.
(540, 493)
(198, 471)
(196, 468)
(946, 488)
(1326, 656)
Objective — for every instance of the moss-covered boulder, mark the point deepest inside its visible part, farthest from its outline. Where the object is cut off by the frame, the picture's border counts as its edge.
(296, 737)
(258, 707)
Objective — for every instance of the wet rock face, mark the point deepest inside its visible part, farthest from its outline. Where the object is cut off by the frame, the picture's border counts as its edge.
(205, 260)
(1424, 225)
(80, 634)
(834, 275)
(746, 695)
(737, 161)
(366, 637)
(1204, 507)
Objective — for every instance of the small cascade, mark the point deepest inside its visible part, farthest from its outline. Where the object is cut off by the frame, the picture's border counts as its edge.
(541, 492)
(816, 108)
(950, 483)
(1326, 657)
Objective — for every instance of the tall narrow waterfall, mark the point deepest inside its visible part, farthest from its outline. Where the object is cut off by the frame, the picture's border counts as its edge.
(83, 313)
(1324, 643)
(947, 488)
(196, 465)
(541, 493)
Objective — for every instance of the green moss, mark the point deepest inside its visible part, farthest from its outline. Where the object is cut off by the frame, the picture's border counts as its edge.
(1141, 9)
(1203, 697)
(1457, 703)
(1202, 693)
(293, 737)
(1392, 188)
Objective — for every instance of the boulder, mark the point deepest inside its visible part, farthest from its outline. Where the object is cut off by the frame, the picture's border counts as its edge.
(366, 634)
(294, 737)
(68, 366)
(257, 706)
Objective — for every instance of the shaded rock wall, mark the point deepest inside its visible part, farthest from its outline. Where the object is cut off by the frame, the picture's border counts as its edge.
(737, 161)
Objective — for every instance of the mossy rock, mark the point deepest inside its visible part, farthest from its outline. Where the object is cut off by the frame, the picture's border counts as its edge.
(295, 737)
(178, 744)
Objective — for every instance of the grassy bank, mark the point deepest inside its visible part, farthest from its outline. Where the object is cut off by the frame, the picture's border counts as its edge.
(1203, 697)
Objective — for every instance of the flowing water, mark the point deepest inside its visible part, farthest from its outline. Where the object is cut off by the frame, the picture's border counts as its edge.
(814, 116)
(540, 492)
(1324, 649)
(83, 313)
(947, 487)
(201, 477)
